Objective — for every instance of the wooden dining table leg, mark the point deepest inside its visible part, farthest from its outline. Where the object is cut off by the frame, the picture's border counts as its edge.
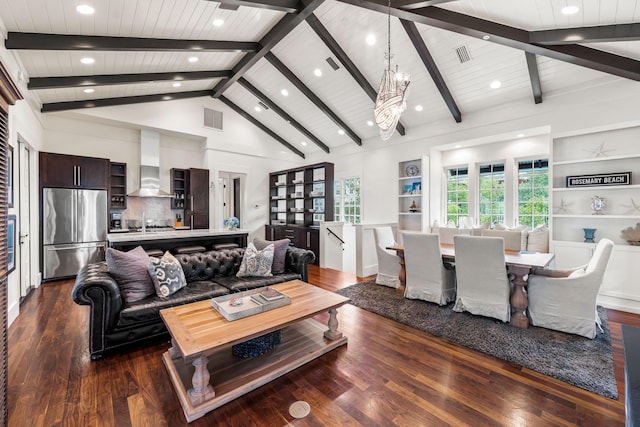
(519, 299)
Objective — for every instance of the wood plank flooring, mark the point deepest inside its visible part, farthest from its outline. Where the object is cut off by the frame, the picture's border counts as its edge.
(387, 375)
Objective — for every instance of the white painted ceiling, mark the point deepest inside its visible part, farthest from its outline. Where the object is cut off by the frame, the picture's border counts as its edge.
(302, 51)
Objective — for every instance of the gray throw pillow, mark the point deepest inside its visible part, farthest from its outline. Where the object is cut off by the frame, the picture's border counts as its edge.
(167, 275)
(279, 252)
(256, 263)
(131, 272)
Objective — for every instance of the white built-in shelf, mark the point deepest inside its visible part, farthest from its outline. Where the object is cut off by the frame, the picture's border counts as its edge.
(405, 178)
(410, 213)
(410, 195)
(604, 216)
(599, 187)
(596, 159)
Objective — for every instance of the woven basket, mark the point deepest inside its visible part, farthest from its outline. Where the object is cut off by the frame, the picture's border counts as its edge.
(257, 346)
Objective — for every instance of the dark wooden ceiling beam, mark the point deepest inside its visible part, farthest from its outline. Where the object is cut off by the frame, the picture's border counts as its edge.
(509, 36)
(262, 127)
(285, 71)
(342, 56)
(273, 37)
(287, 6)
(413, 4)
(279, 111)
(430, 64)
(534, 76)
(117, 79)
(42, 41)
(125, 100)
(598, 34)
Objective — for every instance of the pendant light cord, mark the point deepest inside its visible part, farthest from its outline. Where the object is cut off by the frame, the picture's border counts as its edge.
(389, 35)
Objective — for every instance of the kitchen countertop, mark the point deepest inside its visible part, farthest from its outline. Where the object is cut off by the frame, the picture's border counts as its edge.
(176, 234)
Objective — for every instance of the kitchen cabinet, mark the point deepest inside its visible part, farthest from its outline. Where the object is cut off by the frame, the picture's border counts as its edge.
(179, 179)
(66, 171)
(118, 186)
(190, 189)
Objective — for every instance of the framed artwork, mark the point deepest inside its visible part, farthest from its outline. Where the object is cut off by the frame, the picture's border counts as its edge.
(11, 241)
(10, 175)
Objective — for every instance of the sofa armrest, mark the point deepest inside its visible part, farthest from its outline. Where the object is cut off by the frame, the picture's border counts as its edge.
(97, 288)
(298, 260)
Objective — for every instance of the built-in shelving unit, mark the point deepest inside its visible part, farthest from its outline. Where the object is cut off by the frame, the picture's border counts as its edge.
(413, 197)
(179, 180)
(118, 186)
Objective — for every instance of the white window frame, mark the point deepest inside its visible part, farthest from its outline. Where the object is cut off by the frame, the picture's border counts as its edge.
(339, 202)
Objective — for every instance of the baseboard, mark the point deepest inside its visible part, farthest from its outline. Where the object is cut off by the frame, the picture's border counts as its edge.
(621, 304)
(369, 270)
(13, 313)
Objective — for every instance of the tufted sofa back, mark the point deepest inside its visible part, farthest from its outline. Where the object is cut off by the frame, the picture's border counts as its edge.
(207, 265)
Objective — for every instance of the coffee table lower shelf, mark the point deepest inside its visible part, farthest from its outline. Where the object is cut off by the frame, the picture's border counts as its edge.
(232, 376)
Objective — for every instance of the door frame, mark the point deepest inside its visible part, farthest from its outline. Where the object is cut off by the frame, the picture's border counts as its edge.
(24, 208)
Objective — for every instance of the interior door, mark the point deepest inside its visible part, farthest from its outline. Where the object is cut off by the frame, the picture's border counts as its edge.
(24, 168)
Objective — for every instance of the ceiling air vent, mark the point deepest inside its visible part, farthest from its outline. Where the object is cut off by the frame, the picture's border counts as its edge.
(463, 54)
(212, 119)
(333, 63)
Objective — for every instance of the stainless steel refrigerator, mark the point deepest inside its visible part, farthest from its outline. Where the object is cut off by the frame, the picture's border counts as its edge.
(74, 230)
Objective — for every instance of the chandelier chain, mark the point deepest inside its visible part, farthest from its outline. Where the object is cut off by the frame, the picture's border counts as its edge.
(389, 35)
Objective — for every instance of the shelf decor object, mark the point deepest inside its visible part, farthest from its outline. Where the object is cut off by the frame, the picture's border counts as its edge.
(632, 235)
(589, 235)
(412, 170)
(598, 151)
(598, 204)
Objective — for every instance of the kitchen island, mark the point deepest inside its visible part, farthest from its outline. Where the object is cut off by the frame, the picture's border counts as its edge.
(169, 240)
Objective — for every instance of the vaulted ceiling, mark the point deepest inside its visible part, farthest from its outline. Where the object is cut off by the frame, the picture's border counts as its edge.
(453, 51)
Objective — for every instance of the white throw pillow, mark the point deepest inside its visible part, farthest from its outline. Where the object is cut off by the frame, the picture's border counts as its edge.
(256, 263)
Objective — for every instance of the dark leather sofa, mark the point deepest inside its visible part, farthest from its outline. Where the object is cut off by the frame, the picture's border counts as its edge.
(113, 323)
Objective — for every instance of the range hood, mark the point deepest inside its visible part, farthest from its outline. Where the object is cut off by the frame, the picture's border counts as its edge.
(149, 166)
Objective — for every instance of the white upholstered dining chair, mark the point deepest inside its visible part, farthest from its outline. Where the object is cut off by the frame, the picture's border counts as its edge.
(483, 286)
(428, 277)
(388, 262)
(565, 300)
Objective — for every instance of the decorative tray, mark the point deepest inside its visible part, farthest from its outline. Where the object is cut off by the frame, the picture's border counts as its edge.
(253, 301)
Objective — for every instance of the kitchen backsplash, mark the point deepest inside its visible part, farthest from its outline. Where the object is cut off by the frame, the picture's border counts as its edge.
(154, 208)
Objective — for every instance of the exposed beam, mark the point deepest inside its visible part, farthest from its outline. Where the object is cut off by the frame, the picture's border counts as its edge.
(417, 4)
(342, 56)
(41, 41)
(273, 37)
(279, 111)
(510, 36)
(311, 96)
(117, 79)
(287, 6)
(430, 64)
(599, 34)
(126, 100)
(534, 76)
(265, 129)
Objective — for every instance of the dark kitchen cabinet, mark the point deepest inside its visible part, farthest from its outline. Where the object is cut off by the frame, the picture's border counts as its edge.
(118, 186)
(66, 171)
(190, 190)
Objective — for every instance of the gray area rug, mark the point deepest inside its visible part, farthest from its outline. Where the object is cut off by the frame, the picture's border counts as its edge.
(570, 358)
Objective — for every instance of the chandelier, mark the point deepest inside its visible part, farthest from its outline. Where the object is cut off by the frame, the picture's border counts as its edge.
(392, 93)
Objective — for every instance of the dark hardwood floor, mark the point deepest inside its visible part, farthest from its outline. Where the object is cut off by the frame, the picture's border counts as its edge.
(388, 374)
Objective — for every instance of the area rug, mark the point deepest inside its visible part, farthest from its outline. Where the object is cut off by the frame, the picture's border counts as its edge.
(570, 358)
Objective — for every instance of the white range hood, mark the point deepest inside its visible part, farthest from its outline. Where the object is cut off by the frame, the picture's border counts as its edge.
(149, 166)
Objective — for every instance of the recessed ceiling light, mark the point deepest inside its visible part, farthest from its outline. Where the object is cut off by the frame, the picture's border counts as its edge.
(303, 143)
(486, 37)
(317, 72)
(85, 9)
(88, 60)
(495, 84)
(166, 98)
(177, 84)
(419, 108)
(340, 131)
(458, 146)
(371, 39)
(284, 92)
(520, 135)
(369, 123)
(258, 109)
(218, 22)
(570, 10)
(193, 59)
(89, 90)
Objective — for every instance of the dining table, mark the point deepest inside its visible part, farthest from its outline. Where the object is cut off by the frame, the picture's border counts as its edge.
(519, 264)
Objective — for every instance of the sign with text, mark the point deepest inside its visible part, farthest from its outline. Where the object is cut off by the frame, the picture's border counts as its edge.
(603, 179)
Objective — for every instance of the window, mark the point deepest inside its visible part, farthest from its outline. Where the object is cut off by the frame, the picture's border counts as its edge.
(533, 192)
(491, 193)
(457, 194)
(347, 200)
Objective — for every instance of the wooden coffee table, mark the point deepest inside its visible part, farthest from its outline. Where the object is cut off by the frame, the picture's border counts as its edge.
(204, 372)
